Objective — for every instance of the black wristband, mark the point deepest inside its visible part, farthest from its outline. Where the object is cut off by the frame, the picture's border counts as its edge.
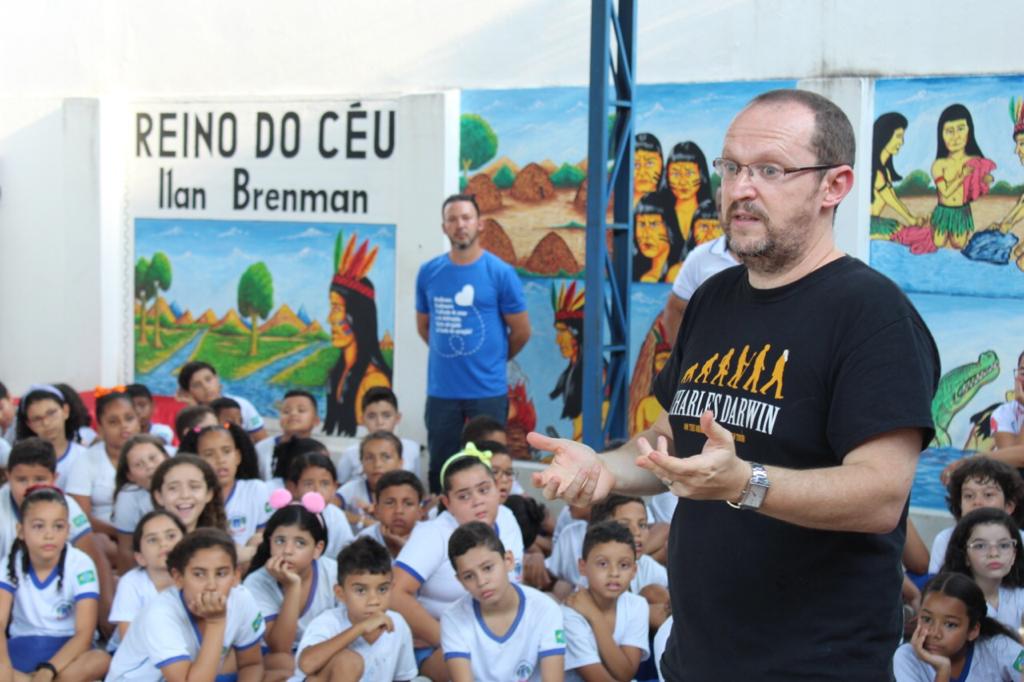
(46, 665)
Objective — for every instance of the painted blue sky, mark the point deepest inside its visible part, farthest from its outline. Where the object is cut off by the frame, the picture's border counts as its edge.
(921, 100)
(209, 256)
(551, 123)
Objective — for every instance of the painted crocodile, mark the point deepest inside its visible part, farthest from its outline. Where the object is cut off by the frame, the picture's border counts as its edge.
(957, 387)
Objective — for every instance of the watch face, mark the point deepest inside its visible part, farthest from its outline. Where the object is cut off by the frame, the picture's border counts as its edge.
(754, 497)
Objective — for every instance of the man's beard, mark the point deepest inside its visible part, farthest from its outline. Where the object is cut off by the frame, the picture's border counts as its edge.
(777, 250)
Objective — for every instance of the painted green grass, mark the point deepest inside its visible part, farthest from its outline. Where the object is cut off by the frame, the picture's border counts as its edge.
(230, 353)
(312, 371)
(147, 357)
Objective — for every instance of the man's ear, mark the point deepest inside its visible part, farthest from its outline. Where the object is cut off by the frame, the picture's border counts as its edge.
(838, 183)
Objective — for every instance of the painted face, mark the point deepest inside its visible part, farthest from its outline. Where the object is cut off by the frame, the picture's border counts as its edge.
(219, 451)
(609, 567)
(159, 537)
(651, 235)
(568, 346)
(24, 476)
(504, 474)
(684, 179)
(1019, 146)
(895, 142)
(398, 508)
(208, 570)
(185, 494)
(948, 627)
(461, 224)
(297, 546)
(647, 167)
(46, 419)
(45, 530)
(381, 416)
(315, 480)
(365, 595)
(143, 459)
(298, 416)
(144, 409)
(975, 494)
(991, 551)
(484, 573)
(955, 134)
(378, 457)
(342, 335)
(769, 225)
(634, 517)
(472, 495)
(119, 423)
(204, 387)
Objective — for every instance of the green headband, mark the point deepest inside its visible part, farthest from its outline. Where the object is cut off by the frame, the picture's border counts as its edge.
(468, 451)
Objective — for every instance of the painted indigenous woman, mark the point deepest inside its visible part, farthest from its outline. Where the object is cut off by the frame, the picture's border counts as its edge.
(961, 175)
(887, 140)
(693, 203)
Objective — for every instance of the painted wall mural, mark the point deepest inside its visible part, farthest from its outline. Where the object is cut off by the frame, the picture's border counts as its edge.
(947, 224)
(523, 155)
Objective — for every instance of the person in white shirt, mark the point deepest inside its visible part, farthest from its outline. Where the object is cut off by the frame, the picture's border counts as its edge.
(605, 624)
(397, 510)
(198, 383)
(379, 413)
(499, 630)
(706, 260)
(187, 631)
(362, 639)
(140, 457)
(44, 412)
(142, 399)
(955, 640)
(314, 472)
(379, 453)
(298, 418)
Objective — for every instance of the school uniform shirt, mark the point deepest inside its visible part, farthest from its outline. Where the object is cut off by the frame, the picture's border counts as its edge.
(354, 494)
(65, 461)
(994, 659)
(1011, 607)
(631, 622)
(661, 508)
(135, 590)
(166, 632)
(265, 456)
(41, 608)
(8, 434)
(247, 507)
(10, 516)
(425, 558)
(130, 505)
(536, 633)
(339, 532)
(251, 419)
(5, 452)
(1007, 418)
(563, 520)
(86, 435)
(659, 644)
(163, 432)
(92, 475)
(939, 546)
(349, 466)
(390, 657)
(564, 562)
(268, 594)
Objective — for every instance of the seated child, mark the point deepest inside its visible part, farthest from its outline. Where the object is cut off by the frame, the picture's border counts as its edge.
(978, 482)
(487, 433)
(530, 515)
(45, 576)
(142, 399)
(605, 624)
(228, 410)
(298, 418)
(955, 640)
(498, 631)
(7, 411)
(186, 486)
(154, 538)
(985, 546)
(139, 459)
(379, 453)
(1007, 421)
(289, 578)
(79, 415)
(501, 464)
(362, 639)
(193, 417)
(313, 472)
(379, 413)
(659, 645)
(399, 495)
(285, 452)
(186, 632)
(198, 383)
(44, 412)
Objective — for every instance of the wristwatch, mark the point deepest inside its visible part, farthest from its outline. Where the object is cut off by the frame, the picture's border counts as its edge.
(757, 487)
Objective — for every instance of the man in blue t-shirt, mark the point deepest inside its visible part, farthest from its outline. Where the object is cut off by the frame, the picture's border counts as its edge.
(471, 312)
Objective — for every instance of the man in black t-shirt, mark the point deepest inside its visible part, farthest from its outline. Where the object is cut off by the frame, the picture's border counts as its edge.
(799, 393)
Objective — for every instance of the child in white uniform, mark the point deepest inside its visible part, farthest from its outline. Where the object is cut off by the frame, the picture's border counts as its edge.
(314, 472)
(379, 413)
(499, 631)
(142, 400)
(187, 631)
(298, 417)
(198, 382)
(363, 638)
(379, 453)
(609, 561)
(399, 496)
(186, 486)
(954, 638)
(291, 582)
(49, 596)
(44, 412)
(140, 457)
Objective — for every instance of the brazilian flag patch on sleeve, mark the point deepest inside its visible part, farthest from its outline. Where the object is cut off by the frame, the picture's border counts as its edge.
(1018, 665)
(256, 623)
(79, 521)
(560, 636)
(86, 577)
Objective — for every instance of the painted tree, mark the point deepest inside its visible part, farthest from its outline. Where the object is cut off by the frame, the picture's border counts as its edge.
(143, 292)
(160, 277)
(478, 143)
(255, 299)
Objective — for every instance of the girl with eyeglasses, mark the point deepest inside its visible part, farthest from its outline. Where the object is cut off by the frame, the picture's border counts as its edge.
(45, 412)
(985, 546)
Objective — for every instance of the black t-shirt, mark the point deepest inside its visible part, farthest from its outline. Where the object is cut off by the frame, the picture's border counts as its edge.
(801, 375)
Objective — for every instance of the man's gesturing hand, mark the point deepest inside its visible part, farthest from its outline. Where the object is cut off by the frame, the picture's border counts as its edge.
(575, 474)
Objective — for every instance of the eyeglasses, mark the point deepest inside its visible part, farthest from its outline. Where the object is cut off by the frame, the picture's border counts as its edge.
(44, 418)
(729, 170)
(983, 546)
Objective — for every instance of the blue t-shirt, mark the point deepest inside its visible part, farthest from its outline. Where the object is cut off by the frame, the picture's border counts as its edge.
(468, 336)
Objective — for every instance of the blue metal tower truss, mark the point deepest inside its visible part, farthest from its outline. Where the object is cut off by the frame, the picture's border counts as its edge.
(609, 243)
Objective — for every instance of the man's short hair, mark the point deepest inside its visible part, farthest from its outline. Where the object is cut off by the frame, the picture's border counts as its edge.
(377, 394)
(833, 140)
(460, 197)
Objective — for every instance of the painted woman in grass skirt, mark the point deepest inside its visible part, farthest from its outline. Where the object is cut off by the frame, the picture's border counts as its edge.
(961, 174)
(353, 320)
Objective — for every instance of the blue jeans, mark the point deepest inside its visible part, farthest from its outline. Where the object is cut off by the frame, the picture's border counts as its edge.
(445, 418)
